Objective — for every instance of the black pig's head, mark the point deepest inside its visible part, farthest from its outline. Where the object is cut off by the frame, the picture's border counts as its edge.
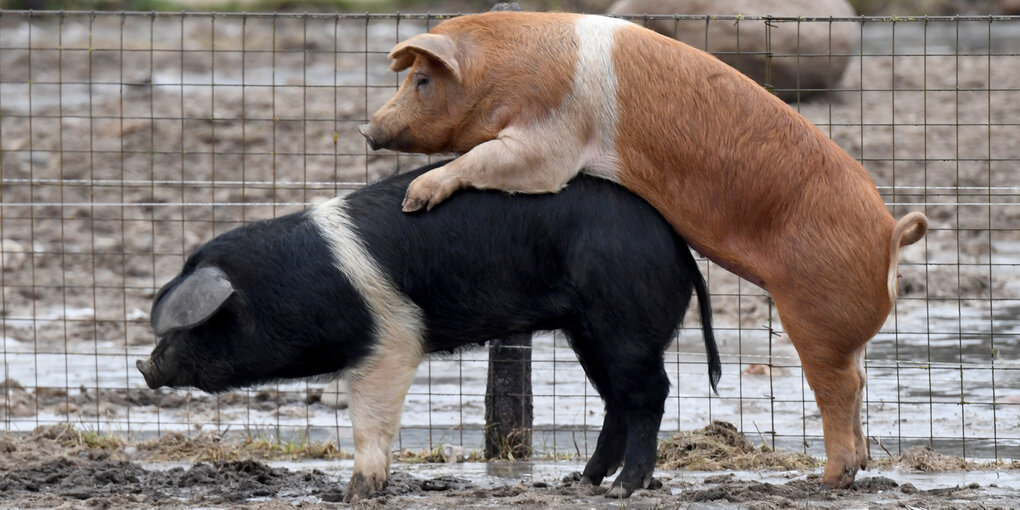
(261, 303)
(197, 318)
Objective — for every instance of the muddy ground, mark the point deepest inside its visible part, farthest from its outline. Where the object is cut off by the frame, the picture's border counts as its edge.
(59, 467)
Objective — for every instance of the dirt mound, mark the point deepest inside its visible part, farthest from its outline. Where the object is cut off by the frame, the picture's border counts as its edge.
(925, 458)
(720, 446)
(769, 495)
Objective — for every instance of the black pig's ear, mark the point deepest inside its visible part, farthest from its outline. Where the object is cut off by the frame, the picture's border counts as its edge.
(192, 301)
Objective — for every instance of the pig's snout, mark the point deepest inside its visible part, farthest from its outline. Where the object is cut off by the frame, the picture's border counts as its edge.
(383, 133)
(150, 372)
(366, 131)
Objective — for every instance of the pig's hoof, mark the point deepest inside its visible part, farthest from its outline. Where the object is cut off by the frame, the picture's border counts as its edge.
(862, 456)
(430, 189)
(841, 479)
(619, 491)
(362, 487)
(412, 204)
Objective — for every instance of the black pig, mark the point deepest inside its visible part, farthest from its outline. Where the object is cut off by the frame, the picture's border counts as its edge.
(356, 287)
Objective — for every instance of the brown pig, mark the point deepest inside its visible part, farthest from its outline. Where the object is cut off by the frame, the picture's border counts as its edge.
(531, 99)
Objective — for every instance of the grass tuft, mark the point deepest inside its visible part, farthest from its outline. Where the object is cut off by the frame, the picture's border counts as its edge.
(207, 446)
(720, 447)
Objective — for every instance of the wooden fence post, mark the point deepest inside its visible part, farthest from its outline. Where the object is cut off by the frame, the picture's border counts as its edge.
(508, 400)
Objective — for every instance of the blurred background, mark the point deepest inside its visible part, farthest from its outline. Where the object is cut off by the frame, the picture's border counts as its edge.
(863, 7)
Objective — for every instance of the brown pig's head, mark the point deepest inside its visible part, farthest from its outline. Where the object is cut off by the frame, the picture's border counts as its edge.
(435, 110)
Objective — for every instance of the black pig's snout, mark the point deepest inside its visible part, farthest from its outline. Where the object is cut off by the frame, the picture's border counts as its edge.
(150, 372)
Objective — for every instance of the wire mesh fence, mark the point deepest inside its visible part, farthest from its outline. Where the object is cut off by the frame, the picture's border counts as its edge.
(128, 139)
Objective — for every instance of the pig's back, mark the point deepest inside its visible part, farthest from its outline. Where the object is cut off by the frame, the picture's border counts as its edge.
(737, 171)
(523, 262)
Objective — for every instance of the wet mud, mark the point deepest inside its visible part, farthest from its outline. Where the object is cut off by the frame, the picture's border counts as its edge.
(93, 480)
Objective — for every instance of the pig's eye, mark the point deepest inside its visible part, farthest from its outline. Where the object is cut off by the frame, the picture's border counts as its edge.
(420, 82)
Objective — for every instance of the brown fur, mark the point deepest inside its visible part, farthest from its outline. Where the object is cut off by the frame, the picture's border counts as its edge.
(740, 175)
(480, 87)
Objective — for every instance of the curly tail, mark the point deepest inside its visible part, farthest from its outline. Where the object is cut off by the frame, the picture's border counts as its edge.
(705, 307)
(910, 229)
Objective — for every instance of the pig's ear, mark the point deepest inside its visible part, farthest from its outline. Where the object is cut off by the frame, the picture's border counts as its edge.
(437, 47)
(192, 301)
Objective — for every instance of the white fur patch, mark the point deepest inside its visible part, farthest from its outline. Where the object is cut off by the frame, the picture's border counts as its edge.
(399, 325)
(595, 90)
(378, 386)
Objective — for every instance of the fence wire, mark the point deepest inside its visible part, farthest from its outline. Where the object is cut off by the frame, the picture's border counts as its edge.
(127, 139)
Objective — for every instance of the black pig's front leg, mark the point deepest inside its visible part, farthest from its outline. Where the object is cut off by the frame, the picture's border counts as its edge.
(377, 396)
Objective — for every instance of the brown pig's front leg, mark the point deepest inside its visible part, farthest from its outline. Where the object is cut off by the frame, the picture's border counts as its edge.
(518, 160)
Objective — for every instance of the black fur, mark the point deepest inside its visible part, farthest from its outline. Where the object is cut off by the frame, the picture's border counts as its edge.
(292, 315)
(593, 260)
